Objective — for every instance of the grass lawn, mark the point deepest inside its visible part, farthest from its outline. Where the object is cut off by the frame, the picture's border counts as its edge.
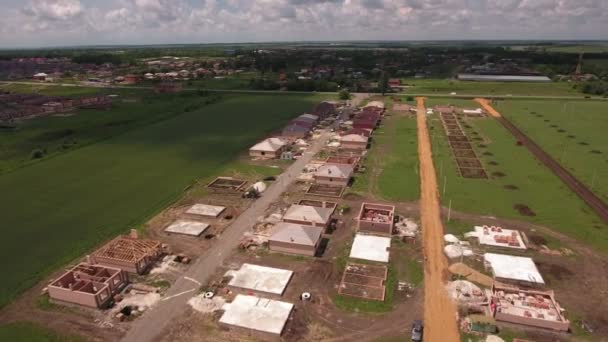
(581, 146)
(537, 187)
(30, 332)
(62, 207)
(392, 162)
(447, 86)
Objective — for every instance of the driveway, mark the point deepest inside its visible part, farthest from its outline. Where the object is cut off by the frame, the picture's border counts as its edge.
(150, 325)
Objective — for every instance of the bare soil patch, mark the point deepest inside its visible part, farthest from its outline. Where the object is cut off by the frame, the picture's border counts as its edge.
(498, 174)
(524, 210)
(511, 187)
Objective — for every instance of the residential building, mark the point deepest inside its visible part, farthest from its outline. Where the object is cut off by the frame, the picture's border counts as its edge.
(295, 239)
(268, 148)
(334, 174)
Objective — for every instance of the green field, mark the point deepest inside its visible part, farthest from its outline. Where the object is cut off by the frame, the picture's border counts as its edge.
(392, 161)
(582, 147)
(50, 89)
(554, 204)
(56, 135)
(62, 207)
(446, 87)
(30, 332)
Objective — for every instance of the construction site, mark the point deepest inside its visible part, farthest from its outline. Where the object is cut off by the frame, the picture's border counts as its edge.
(304, 256)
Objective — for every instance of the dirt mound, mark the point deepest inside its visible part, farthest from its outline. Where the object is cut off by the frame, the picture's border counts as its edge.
(498, 174)
(571, 136)
(537, 240)
(511, 187)
(488, 154)
(482, 146)
(493, 163)
(554, 126)
(558, 272)
(596, 151)
(524, 210)
(352, 196)
(561, 130)
(583, 143)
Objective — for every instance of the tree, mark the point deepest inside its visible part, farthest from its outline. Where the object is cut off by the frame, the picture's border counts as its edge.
(344, 94)
(383, 84)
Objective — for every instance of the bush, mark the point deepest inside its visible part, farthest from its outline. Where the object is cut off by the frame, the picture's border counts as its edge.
(344, 94)
(37, 153)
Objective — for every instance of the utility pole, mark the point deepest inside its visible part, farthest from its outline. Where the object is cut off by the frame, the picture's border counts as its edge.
(450, 210)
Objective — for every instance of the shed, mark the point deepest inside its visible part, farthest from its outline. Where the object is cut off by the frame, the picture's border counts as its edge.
(295, 239)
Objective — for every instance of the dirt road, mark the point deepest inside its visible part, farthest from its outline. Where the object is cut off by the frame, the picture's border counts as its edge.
(148, 327)
(594, 202)
(439, 311)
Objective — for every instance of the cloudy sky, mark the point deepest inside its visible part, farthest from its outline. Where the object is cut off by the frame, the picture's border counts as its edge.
(30, 23)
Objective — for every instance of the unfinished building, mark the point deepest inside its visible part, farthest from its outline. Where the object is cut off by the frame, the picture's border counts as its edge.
(498, 237)
(88, 285)
(527, 307)
(128, 253)
(376, 218)
(263, 317)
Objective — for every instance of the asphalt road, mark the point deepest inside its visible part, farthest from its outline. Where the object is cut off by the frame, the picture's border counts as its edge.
(152, 323)
(247, 91)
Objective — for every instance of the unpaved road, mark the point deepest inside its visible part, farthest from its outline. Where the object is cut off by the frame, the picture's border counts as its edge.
(591, 199)
(150, 326)
(439, 310)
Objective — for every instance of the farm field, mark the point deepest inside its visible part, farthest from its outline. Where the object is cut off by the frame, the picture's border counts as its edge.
(392, 161)
(30, 332)
(515, 178)
(573, 133)
(59, 134)
(446, 86)
(60, 208)
(50, 90)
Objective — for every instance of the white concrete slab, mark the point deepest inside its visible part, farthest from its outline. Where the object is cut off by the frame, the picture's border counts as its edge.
(191, 228)
(513, 267)
(257, 313)
(370, 247)
(260, 278)
(205, 210)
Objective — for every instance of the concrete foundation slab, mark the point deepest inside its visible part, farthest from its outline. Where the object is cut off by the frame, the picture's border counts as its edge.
(261, 314)
(260, 278)
(191, 228)
(206, 210)
(370, 247)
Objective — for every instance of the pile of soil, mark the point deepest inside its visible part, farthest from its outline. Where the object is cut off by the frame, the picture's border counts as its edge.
(493, 163)
(511, 187)
(482, 146)
(498, 174)
(488, 154)
(547, 120)
(583, 143)
(556, 271)
(524, 210)
(596, 151)
(561, 130)
(572, 136)
(554, 126)
(537, 240)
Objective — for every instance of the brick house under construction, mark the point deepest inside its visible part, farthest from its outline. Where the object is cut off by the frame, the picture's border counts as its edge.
(376, 218)
(128, 253)
(88, 285)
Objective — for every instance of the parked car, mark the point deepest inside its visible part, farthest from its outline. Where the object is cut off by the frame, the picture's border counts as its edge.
(417, 331)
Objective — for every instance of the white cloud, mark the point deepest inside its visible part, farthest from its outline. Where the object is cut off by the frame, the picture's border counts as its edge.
(61, 22)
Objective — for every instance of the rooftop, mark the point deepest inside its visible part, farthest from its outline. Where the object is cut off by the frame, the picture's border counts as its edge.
(354, 138)
(269, 145)
(308, 213)
(335, 170)
(297, 234)
(370, 247)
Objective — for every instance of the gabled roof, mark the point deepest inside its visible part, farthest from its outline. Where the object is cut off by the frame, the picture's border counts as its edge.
(359, 131)
(335, 170)
(297, 234)
(354, 138)
(308, 213)
(377, 104)
(268, 145)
